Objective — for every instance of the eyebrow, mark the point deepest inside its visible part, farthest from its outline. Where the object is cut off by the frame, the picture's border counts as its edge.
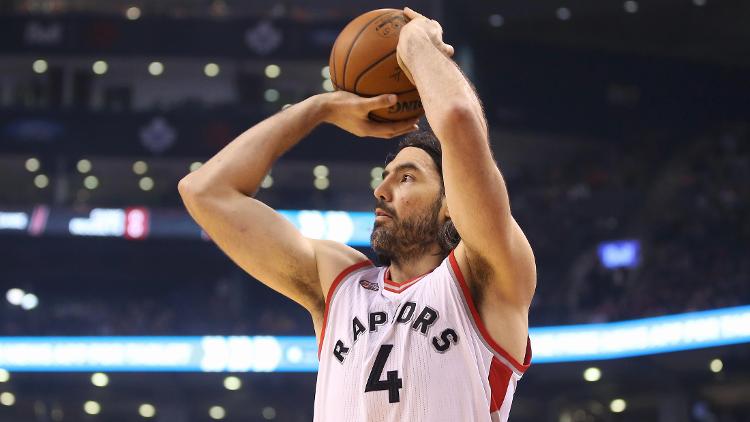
(402, 167)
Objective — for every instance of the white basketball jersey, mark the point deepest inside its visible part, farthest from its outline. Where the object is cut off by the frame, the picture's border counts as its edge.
(414, 351)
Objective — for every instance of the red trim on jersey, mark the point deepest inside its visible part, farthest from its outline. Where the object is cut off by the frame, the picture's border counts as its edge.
(395, 287)
(499, 380)
(348, 270)
(480, 325)
(387, 278)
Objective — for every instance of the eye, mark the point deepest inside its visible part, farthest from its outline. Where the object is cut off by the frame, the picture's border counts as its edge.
(407, 177)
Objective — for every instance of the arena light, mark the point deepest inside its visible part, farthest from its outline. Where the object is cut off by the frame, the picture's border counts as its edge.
(320, 171)
(91, 182)
(195, 165)
(716, 366)
(631, 6)
(269, 413)
(140, 167)
(41, 181)
(29, 301)
(7, 399)
(328, 85)
(563, 13)
(321, 183)
(32, 164)
(83, 166)
(133, 13)
(377, 177)
(100, 67)
(40, 66)
(592, 374)
(618, 405)
(294, 354)
(92, 408)
(267, 182)
(496, 20)
(325, 72)
(147, 410)
(236, 354)
(100, 222)
(14, 220)
(621, 253)
(100, 379)
(241, 354)
(146, 183)
(217, 412)
(156, 68)
(271, 95)
(211, 70)
(232, 383)
(4, 375)
(14, 296)
(688, 331)
(699, 2)
(273, 71)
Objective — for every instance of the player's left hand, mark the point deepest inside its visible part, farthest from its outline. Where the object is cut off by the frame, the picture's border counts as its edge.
(351, 113)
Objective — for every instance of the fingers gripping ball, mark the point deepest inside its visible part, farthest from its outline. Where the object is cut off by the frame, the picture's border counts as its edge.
(363, 61)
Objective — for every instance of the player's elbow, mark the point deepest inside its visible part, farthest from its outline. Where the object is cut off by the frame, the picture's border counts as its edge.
(460, 112)
(185, 187)
(191, 188)
(462, 116)
(198, 192)
(461, 121)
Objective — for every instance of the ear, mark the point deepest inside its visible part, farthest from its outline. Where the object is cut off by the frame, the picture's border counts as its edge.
(445, 210)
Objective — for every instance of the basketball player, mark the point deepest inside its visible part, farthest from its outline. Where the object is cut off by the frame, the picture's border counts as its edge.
(441, 332)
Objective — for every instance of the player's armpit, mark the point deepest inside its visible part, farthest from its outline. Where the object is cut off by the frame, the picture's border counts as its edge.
(508, 269)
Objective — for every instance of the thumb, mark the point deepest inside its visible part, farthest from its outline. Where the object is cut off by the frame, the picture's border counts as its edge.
(381, 101)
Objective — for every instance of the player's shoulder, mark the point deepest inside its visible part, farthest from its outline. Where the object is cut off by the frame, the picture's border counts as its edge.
(333, 258)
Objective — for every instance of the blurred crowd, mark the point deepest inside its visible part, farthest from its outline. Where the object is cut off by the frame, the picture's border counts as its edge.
(686, 201)
(688, 204)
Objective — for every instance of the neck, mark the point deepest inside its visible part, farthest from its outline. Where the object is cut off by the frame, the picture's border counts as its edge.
(405, 269)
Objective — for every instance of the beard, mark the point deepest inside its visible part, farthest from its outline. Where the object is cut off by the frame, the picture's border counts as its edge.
(402, 240)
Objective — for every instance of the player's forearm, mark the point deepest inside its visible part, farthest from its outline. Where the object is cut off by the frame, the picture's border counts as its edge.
(444, 90)
(475, 190)
(244, 162)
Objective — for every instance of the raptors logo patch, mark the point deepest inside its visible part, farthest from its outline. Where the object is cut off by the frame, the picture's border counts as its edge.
(369, 285)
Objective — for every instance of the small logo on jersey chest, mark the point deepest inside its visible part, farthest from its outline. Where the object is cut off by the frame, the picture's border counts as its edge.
(369, 285)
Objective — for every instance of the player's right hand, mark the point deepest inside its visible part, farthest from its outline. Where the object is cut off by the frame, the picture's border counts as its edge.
(350, 112)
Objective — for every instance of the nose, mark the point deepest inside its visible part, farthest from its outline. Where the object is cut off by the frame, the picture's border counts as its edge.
(382, 192)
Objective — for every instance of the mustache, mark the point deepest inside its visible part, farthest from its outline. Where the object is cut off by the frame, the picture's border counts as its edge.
(381, 204)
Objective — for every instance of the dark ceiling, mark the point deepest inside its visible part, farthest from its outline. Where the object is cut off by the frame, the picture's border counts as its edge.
(718, 31)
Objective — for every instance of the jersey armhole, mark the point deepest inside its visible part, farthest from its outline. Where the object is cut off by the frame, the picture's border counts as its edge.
(332, 290)
(484, 334)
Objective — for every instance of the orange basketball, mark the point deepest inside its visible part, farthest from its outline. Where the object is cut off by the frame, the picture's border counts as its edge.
(363, 61)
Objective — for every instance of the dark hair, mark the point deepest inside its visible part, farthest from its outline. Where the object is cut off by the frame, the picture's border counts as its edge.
(425, 140)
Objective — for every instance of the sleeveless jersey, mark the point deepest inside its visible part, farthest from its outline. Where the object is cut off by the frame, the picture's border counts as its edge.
(415, 351)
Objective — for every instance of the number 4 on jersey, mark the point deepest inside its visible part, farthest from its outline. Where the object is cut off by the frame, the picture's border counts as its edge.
(392, 383)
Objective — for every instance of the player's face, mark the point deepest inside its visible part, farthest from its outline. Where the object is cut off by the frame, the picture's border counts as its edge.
(409, 206)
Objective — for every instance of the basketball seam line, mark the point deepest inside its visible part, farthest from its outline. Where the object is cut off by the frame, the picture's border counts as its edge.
(377, 62)
(354, 42)
(333, 65)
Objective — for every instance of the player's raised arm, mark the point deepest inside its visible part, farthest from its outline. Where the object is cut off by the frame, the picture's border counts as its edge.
(219, 196)
(475, 190)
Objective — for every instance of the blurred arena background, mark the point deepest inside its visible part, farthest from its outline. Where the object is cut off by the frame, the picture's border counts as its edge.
(623, 130)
